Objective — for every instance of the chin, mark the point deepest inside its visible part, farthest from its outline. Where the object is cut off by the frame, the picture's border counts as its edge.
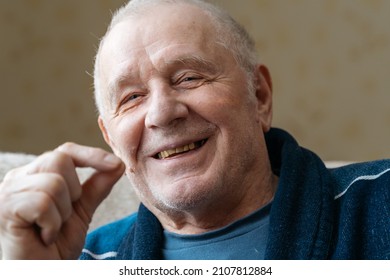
(185, 199)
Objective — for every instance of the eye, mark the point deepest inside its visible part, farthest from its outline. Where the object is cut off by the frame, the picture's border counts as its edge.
(130, 97)
(189, 80)
(133, 97)
(130, 101)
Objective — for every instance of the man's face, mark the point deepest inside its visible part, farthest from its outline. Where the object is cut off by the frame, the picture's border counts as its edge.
(179, 113)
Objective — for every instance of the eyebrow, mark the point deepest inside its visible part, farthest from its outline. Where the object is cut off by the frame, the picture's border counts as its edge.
(195, 62)
(191, 61)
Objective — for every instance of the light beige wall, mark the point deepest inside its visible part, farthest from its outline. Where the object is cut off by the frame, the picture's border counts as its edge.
(329, 61)
(47, 47)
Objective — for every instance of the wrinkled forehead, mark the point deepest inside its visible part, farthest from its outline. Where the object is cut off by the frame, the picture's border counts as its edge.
(157, 28)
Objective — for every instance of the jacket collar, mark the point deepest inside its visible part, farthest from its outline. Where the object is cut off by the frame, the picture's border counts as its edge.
(301, 215)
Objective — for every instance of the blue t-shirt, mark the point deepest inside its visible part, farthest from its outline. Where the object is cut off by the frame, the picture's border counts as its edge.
(244, 239)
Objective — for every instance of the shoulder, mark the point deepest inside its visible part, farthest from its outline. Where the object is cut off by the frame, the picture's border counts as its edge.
(103, 243)
(351, 178)
(362, 203)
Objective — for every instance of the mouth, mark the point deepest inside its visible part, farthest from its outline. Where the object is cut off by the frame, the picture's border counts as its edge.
(180, 150)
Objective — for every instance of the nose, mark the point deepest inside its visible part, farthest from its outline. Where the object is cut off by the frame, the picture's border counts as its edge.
(165, 109)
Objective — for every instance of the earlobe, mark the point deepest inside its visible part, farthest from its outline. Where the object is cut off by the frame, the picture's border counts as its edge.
(264, 96)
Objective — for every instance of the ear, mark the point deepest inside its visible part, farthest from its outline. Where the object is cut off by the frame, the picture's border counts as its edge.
(264, 96)
(105, 133)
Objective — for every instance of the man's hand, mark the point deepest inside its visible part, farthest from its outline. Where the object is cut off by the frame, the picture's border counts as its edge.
(45, 211)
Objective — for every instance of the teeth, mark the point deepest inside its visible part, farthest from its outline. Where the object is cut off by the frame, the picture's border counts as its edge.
(170, 152)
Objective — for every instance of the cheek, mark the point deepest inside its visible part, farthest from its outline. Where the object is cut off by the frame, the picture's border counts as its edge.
(229, 110)
(126, 133)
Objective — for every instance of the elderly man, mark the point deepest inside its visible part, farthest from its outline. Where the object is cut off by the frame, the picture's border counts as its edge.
(187, 108)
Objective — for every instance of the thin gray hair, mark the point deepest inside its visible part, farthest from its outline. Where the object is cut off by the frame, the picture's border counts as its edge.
(230, 34)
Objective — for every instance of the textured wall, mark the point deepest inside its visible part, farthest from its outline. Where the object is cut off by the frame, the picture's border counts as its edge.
(329, 60)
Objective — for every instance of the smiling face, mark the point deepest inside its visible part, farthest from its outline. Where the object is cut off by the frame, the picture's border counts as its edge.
(178, 110)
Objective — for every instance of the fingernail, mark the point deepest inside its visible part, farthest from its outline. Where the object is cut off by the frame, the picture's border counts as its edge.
(112, 159)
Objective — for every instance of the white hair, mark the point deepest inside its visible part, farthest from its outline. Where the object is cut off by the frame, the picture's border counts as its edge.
(230, 34)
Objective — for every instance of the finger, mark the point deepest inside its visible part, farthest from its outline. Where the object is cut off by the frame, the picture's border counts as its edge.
(57, 163)
(18, 171)
(47, 184)
(96, 189)
(40, 212)
(96, 158)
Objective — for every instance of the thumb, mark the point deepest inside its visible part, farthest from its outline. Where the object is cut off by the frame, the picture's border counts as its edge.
(97, 188)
